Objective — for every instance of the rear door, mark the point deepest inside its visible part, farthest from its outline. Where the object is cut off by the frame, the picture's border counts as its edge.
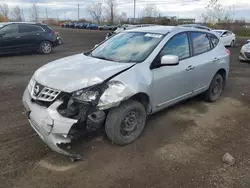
(30, 35)
(203, 61)
(9, 40)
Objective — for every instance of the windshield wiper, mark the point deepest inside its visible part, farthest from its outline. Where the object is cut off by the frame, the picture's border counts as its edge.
(101, 57)
(115, 60)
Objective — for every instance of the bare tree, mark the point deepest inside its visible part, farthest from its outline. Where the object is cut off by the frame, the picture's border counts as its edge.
(150, 11)
(16, 14)
(4, 10)
(215, 12)
(34, 13)
(110, 8)
(95, 10)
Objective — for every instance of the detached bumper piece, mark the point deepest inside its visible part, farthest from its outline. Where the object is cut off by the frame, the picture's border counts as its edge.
(61, 122)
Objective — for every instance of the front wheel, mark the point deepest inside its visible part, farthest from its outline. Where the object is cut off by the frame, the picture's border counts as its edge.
(215, 88)
(125, 123)
(45, 47)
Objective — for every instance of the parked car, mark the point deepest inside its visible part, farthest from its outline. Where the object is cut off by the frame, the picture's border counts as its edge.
(106, 27)
(66, 24)
(80, 25)
(227, 37)
(76, 25)
(136, 73)
(71, 25)
(62, 24)
(92, 26)
(126, 27)
(28, 37)
(245, 52)
(196, 26)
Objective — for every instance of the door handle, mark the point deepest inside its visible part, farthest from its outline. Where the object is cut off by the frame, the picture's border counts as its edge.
(216, 59)
(190, 67)
(18, 37)
(38, 34)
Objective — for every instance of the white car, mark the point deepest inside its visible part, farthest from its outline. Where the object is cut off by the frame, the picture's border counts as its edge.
(245, 52)
(227, 37)
(133, 74)
(126, 27)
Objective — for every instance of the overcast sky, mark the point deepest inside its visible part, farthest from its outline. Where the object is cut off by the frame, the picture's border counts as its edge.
(180, 8)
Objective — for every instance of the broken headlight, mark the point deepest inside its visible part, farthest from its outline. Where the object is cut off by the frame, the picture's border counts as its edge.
(83, 95)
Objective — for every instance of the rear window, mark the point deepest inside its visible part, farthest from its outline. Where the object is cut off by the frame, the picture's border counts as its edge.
(201, 43)
(46, 27)
(29, 28)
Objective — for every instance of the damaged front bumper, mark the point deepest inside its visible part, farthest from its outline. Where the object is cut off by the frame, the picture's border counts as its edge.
(51, 127)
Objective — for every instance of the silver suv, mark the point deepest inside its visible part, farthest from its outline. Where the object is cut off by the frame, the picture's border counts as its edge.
(122, 80)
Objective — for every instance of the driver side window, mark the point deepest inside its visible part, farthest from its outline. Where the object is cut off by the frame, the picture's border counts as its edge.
(9, 30)
(178, 45)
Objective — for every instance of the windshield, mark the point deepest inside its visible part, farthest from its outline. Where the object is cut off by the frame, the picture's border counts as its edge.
(128, 47)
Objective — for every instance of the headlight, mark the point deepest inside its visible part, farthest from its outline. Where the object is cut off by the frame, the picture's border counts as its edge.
(31, 85)
(85, 95)
(244, 48)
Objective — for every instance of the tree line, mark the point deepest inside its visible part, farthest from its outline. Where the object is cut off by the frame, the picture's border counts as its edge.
(16, 14)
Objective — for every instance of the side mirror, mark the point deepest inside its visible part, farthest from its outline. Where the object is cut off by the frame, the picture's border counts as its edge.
(224, 35)
(169, 60)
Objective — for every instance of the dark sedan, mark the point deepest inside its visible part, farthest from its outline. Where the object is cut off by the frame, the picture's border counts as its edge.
(18, 37)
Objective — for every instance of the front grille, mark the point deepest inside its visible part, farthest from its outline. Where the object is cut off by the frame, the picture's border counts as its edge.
(48, 94)
(43, 93)
(247, 54)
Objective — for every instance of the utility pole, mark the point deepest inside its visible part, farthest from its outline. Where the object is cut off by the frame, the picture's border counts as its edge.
(46, 13)
(134, 11)
(78, 12)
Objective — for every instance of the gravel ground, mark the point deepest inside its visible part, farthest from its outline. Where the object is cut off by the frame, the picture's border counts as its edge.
(181, 146)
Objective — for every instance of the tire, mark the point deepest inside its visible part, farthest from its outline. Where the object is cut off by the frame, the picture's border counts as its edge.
(125, 123)
(217, 84)
(46, 47)
(232, 44)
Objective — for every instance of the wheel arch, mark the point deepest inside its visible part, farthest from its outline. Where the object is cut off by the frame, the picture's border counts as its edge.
(144, 99)
(223, 73)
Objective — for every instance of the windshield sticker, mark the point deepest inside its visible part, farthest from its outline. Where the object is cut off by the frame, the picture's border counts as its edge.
(153, 35)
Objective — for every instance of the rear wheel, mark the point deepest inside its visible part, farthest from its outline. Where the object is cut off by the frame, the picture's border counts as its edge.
(215, 88)
(125, 123)
(45, 47)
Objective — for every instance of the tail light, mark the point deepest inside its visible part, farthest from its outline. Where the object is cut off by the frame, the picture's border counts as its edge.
(228, 52)
(53, 32)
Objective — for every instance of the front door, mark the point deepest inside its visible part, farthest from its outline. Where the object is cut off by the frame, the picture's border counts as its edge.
(172, 83)
(9, 38)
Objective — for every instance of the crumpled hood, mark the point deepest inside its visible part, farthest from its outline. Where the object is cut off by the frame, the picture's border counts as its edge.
(77, 72)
